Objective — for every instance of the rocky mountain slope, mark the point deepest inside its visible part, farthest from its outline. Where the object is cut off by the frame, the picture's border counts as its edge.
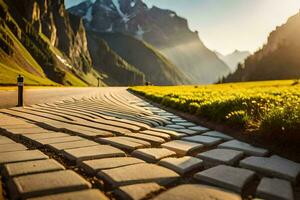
(144, 57)
(278, 59)
(109, 62)
(46, 44)
(233, 59)
(163, 29)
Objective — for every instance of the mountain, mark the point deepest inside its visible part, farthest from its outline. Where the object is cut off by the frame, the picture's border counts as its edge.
(33, 45)
(163, 29)
(47, 45)
(144, 57)
(233, 59)
(278, 59)
(109, 62)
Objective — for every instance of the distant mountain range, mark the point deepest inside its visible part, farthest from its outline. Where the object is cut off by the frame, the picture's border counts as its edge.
(161, 29)
(278, 59)
(119, 42)
(144, 57)
(233, 59)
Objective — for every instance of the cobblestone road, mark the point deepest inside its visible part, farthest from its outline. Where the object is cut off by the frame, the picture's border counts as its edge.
(112, 144)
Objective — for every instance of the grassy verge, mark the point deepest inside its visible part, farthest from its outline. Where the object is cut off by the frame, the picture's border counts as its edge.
(12, 88)
(271, 108)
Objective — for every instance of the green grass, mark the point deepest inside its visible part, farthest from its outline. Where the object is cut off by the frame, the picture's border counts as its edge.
(52, 48)
(8, 76)
(271, 108)
(92, 76)
(24, 51)
(72, 80)
(9, 69)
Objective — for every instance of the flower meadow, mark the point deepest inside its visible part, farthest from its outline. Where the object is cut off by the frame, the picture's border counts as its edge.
(271, 107)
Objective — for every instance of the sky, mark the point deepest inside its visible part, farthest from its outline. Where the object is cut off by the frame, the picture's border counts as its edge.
(227, 25)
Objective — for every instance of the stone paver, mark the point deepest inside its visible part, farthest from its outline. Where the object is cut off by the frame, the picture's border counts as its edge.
(5, 140)
(205, 140)
(179, 120)
(153, 155)
(42, 142)
(31, 167)
(182, 147)
(157, 134)
(149, 138)
(94, 152)
(138, 191)
(92, 194)
(175, 126)
(197, 192)
(167, 128)
(218, 134)
(182, 165)
(21, 156)
(187, 131)
(246, 148)
(186, 124)
(45, 135)
(121, 143)
(199, 129)
(18, 126)
(173, 134)
(93, 166)
(27, 131)
(227, 177)
(12, 147)
(86, 131)
(7, 120)
(46, 183)
(274, 166)
(126, 122)
(168, 115)
(140, 173)
(139, 141)
(276, 189)
(220, 156)
(72, 145)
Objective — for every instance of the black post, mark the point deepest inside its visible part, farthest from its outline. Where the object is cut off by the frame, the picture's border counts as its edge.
(20, 80)
(98, 81)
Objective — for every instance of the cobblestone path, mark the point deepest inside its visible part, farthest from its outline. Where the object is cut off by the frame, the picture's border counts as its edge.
(114, 145)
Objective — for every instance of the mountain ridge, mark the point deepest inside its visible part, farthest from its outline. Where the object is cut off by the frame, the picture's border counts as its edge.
(277, 59)
(233, 59)
(143, 56)
(161, 28)
(47, 45)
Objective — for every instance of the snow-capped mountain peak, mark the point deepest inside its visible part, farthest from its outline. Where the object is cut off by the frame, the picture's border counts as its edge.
(161, 28)
(89, 14)
(125, 17)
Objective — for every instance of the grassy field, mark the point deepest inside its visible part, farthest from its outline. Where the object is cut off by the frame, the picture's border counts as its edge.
(271, 108)
(8, 76)
(13, 88)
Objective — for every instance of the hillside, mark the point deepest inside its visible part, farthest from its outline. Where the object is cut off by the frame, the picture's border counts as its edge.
(109, 62)
(147, 59)
(32, 44)
(278, 59)
(233, 59)
(47, 45)
(163, 29)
